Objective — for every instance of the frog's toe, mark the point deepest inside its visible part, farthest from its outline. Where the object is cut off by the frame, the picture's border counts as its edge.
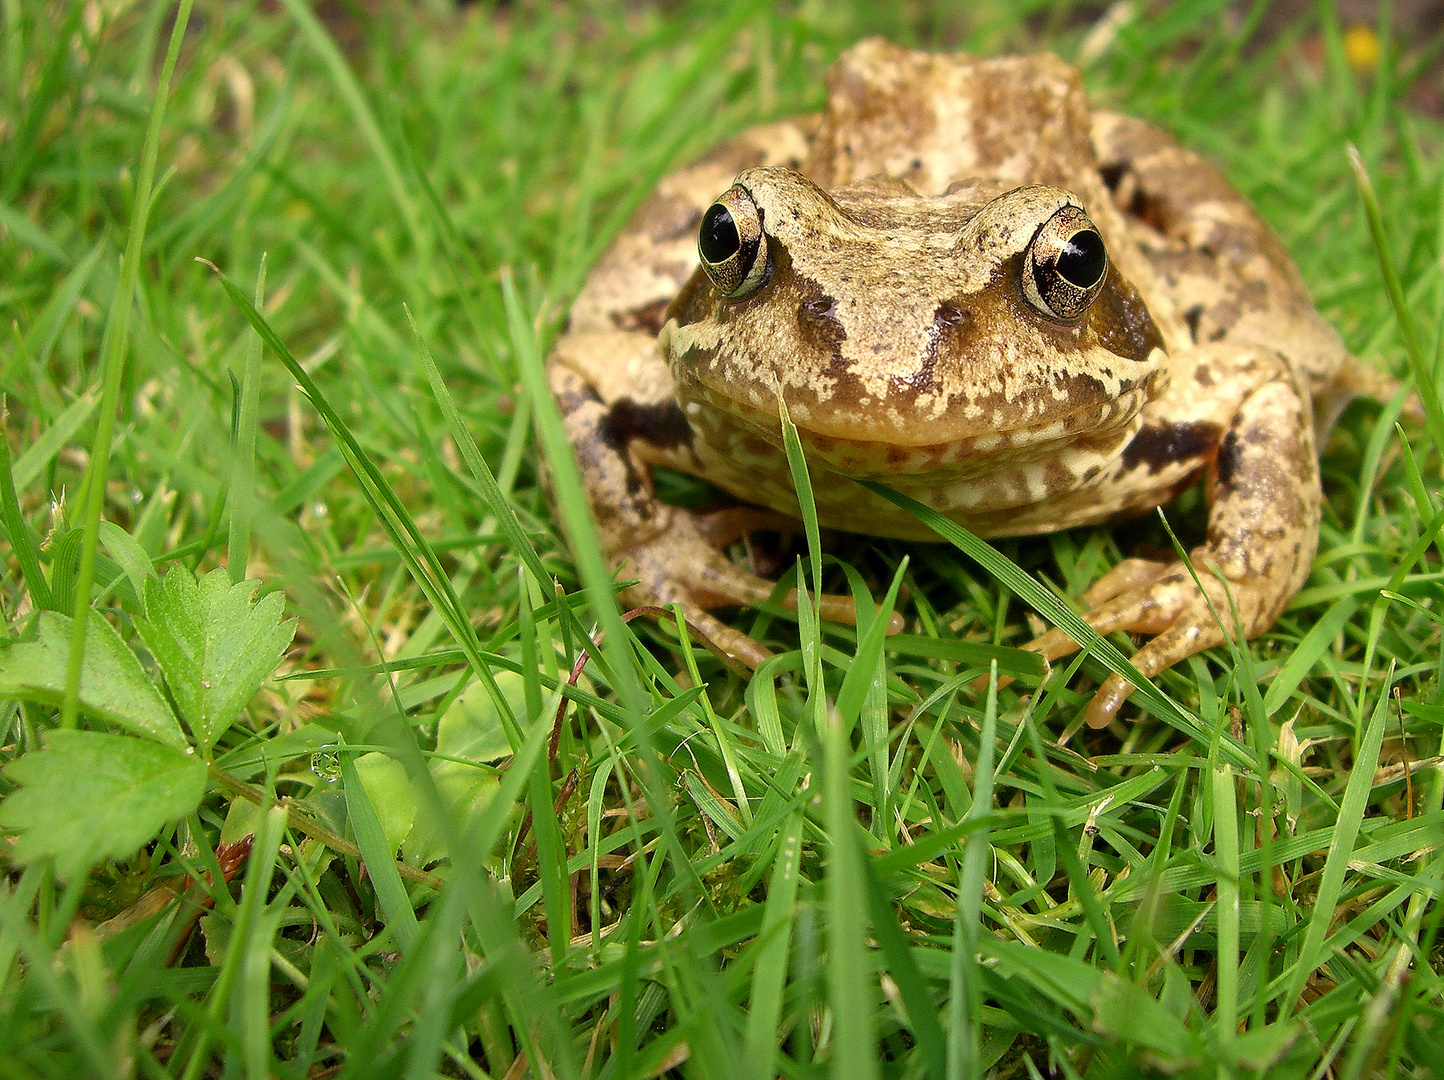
(1127, 575)
(729, 644)
(1195, 631)
(1142, 599)
(1167, 605)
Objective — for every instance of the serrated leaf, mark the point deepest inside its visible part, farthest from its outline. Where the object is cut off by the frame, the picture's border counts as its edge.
(213, 646)
(89, 795)
(113, 685)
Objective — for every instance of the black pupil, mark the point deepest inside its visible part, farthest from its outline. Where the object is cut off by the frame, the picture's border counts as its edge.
(1081, 262)
(719, 239)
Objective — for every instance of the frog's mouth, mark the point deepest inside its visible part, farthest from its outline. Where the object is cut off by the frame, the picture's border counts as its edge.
(864, 448)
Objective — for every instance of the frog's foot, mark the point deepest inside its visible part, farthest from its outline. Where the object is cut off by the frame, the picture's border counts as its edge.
(672, 553)
(1140, 596)
(1355, 379)
(681, 563)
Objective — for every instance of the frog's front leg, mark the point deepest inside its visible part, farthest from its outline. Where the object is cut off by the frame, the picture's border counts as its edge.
(617, 403)
(1262, 484)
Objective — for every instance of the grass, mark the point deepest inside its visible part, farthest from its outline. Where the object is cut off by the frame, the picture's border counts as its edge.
(459, 843)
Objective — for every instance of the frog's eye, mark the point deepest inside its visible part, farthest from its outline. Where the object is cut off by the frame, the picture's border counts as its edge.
(731, 245)
(1065, 265)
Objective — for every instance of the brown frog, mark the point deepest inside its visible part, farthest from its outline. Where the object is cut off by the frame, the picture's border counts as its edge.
(967, 285)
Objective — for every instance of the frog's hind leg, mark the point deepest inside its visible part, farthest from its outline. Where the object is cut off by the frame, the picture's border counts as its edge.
(616, 403)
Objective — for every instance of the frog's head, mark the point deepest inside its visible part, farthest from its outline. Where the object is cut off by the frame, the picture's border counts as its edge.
(981, 320)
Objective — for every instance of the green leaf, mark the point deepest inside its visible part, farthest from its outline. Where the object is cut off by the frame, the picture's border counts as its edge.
(1341, 847)
(1129, 1014)
(471, 728)
(465, 791)
(128, 555)
(89, 795)
(395, 906)
(212, 645)
(113, 686)
(390, 792)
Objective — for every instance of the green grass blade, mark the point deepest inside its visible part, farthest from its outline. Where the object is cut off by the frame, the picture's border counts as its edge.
(849, 976)
(113, 352)
(1068, 855)
(1225, 849)
(769, 976)
(40, 339)
(864, 670)
(243, 463)
(410, 543)
(1426, 378)
(21, 541)
(1301, 661)
(496, 502)
(28, 465)
(802, 484)
(921, 1012)
(27, 232)
(361, 114)
(261, 865)
(1051, 608)
(571, 501)
(965, 997)
(391, 895)
(1341, 846)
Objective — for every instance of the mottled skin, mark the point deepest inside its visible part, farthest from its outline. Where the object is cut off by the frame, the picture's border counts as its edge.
(893, 321)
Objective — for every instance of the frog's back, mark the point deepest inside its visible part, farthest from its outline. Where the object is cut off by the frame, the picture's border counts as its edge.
(934, 120)
(1231, 280)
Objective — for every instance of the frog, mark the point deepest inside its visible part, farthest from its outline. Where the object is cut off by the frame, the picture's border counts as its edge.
(963, 282)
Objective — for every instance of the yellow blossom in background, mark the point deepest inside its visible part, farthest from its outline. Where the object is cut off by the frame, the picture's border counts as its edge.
(1361, 46)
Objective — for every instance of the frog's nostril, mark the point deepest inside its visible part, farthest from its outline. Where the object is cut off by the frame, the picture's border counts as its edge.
(950, 315)
(823, 307)
(818, 322)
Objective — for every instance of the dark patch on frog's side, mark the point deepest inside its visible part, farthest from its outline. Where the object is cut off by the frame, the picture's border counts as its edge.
(1250, 296)
(1191, 319)
(1121, 321)
(1147, 208)
(662, 425)
(1229, 459)
(1156, 446)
